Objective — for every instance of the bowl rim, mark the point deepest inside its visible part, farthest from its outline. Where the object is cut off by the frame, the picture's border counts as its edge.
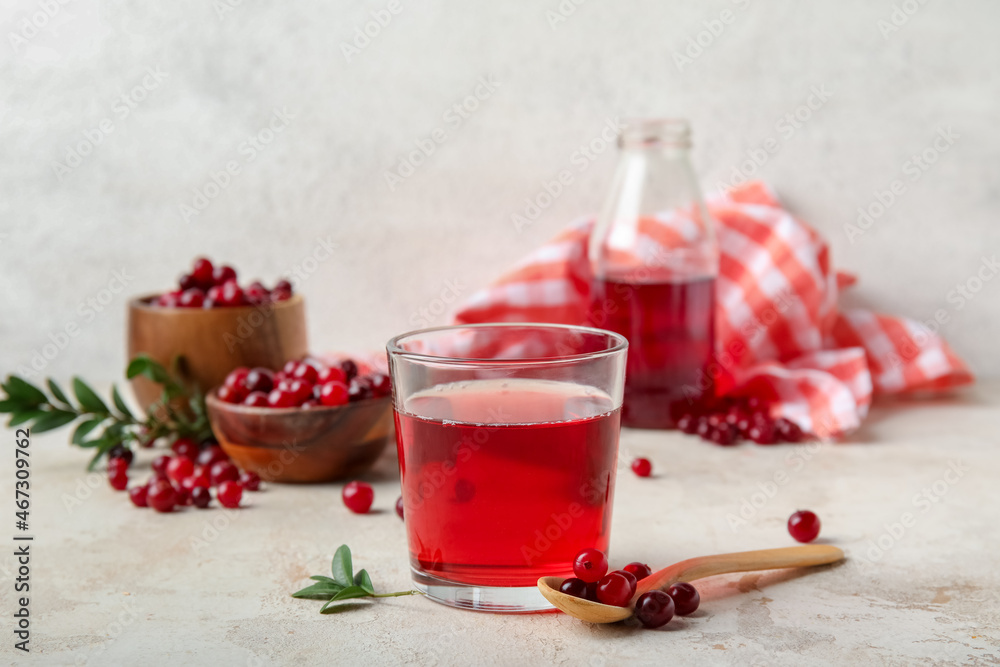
(215, 401)
(141, 303)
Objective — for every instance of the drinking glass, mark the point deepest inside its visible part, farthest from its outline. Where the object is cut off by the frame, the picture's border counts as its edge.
(508, 444)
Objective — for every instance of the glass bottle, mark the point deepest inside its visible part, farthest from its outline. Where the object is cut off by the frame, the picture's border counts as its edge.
(655, 259)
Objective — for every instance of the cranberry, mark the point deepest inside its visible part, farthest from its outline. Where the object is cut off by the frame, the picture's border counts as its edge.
(590, 565)
(283, 285)
(223, 471)
(592, 591)
(333, 393)
(187, 281)
(118, 482)
(639, 570)
(280, 295)
(249, 480)
(201, 497)
(162, 496)
(686, 598)
(763, 433)
(213, 298)
(350, 369)
(331, 374)
(159, 465)
(232, 394)
(256, 293)
(306, 372)
(300, 390)
(185, 446)
(804, 526)
(195, 480)
(232, 295)
(310, 404)
(179, 468)
(117, 466)
(703, 428)
(237, 377)
(381, 385)
(256, 399)
(789, 431)
(358, 497)
(192, 298)
(212, 454)
(166, 301)
(724, 434)
(121, 452)
(614, 589)
(229, 494)
(203, 271)
(642, 467)
(223, 274)
(281, 398)
(399, 506)
(183, 495)
(360, 389)
(632, 581)
(259, 379)
(687, 424)
(137, 494)
(575, 587)
(654, 609)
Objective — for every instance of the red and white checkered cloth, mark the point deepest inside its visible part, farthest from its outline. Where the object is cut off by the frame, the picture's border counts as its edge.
(779, 333)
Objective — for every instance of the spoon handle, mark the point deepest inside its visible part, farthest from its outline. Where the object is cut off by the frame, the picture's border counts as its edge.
(743, 561)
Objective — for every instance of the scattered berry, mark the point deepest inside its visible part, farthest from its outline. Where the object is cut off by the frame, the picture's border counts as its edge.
(229, 494)
(185, 447)
(358, 497)
(179, 468)
(118, 482)
(121, 452)
(117, 466)
(201, 497)
(161, 496)
(223, 471)
(211, 454)
(137, 494)
(686, 598)
(159, 465)
(249, 480)
(642, 467)
(654, 609)
(804, 526)
(590, 565)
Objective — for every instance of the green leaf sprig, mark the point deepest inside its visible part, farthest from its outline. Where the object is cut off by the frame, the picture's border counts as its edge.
(344, 585)
(180, 411)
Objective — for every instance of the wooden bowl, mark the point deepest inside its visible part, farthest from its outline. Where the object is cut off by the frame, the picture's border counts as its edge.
(212, 342)
(295, 445)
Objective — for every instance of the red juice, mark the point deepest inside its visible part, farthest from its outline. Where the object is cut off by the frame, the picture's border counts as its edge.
(506, 480)
(670, 331)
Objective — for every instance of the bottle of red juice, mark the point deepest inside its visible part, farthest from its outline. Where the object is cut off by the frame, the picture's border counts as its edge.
(655, 258)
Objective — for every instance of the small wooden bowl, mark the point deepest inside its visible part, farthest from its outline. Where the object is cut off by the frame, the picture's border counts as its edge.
(295, 445)
(212, 342)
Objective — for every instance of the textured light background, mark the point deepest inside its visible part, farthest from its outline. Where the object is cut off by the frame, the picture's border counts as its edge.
(448, 228)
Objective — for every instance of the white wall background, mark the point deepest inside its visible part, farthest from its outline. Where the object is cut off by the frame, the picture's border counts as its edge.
(62, 237)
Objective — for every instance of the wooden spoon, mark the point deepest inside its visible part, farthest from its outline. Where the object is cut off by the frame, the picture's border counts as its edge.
(689, 570)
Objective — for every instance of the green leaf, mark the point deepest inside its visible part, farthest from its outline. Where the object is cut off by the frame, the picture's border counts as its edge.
(52, 420)
(364, 581)
(119, 403)
(13, 405)
(89, 400)
(19, 418)
(349, 593)
(145, 366)
(80, 434)
(24, 391)
(343, 569)
(319, 591)
(58, 392)
(320, 577)
(103, 445)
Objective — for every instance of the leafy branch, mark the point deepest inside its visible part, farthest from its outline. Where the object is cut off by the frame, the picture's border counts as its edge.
(344, 585)
(180, 411)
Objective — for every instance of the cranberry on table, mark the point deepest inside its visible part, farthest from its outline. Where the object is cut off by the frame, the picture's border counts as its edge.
(590, 565)
(358, 497)
(639, 570)
(249, 480)
(399, 507)
(642, 467)
(159, 464)
(575, 587)
(256, 399)
(194, 481)
(789, 431)
(259, 379)
(118, 482)
(614, 589)
(180, 467)
(201, 497)
(223, 471)
(183, 496)
(185, 446)
(762, 433)
(117, 466)
(804, 526)
(333, 393)
(654, 609)
(686, 598)
(162, 496)
(121, 452)
(137, 494)
(229, 494)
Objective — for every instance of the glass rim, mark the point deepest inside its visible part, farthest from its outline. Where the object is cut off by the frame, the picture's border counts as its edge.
(394, 350)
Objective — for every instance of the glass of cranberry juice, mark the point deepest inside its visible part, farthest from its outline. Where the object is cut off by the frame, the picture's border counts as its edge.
(508, 442)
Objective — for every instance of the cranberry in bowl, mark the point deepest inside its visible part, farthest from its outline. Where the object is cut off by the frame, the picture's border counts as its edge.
(309, 421)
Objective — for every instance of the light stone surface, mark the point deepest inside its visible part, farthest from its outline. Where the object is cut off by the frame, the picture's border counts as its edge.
(115, 585)
(447, 229)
